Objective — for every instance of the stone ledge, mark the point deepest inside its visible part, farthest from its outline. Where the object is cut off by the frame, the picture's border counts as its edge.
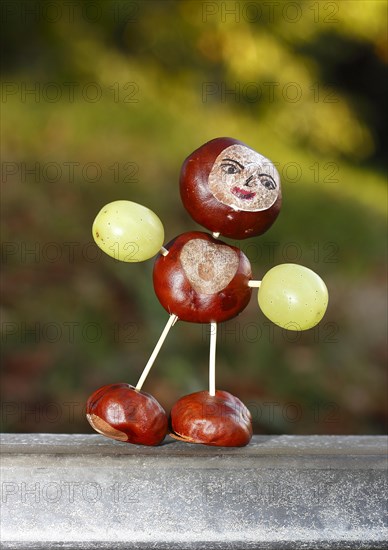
(85, 491)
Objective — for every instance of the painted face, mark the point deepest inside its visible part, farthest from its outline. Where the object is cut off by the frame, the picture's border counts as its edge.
(244, 179)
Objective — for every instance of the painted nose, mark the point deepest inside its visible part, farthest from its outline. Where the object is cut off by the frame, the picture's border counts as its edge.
(249, 182)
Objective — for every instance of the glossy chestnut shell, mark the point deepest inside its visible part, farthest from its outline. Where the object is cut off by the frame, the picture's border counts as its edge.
(175, 283)
(222, 420)
(206, 209)
(121, 412)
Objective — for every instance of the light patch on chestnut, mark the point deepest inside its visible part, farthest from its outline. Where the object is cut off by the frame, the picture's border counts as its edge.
(208, 266)
(104, 428)
(244, 180)
(184, 438)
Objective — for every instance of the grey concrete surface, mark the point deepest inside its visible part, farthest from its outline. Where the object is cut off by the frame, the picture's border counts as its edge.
(88, 492)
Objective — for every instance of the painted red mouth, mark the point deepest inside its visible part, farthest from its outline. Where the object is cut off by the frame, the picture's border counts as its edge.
(243, 194)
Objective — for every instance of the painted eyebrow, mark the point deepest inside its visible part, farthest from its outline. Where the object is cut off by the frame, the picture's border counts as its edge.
(232, 160)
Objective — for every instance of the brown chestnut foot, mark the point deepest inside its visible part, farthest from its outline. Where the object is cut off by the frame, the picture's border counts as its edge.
(222, 420)
(121, 412)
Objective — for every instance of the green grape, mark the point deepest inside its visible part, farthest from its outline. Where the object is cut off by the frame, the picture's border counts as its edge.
(293, 297)
(128, 231)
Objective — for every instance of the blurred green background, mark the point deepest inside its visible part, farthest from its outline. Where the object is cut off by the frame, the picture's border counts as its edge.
(103, 100)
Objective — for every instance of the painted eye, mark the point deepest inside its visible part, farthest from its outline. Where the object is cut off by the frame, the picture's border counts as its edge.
(230, 169)
(268, 183)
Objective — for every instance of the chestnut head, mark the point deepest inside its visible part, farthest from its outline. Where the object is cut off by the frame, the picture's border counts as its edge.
(230, 189)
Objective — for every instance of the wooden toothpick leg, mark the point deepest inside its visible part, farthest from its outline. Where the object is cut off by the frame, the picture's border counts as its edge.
(212, 359)
(254, 284)
(172, 320)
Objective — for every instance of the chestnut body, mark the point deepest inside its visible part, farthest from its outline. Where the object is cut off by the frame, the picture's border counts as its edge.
(220, 420)
(121, 412)
(202, 279)
(207, 210)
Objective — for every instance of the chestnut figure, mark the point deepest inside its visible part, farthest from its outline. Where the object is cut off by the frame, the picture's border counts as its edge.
(202, 279)
(220, 420)
(234, 191)
(230, 189)
(121, 412)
